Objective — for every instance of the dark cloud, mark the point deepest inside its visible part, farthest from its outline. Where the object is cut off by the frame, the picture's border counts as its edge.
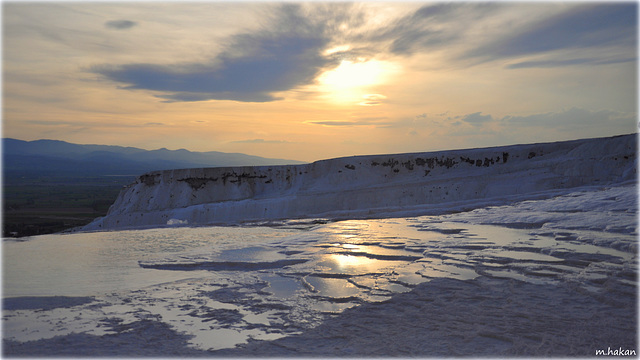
(288, 52)
(573, 118)
(567, 119)
(569, 62)
(431, 27)
(581, 27)
(120, 24)
(251, 69)
(442, 26)
(477, 118)
(279, 64)
(414, 40)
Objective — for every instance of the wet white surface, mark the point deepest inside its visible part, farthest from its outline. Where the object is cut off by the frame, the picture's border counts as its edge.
(224, 286)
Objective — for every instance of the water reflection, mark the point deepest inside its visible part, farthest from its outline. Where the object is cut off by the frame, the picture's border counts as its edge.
(352, 265)
(284, 280)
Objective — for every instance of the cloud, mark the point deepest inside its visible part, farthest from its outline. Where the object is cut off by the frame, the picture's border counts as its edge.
(253, 67)
(580, 27)
(451, 27)
(260, 141)
(120, 24)
(569, 62)
(372, 99)
(430, 27)
(90, 124)
(572, 118)
(420, 30)
(336, 123)
(468, 34)
(566, 119)
(378, 121)
(477, 118)
(290, 50)
(279, 64)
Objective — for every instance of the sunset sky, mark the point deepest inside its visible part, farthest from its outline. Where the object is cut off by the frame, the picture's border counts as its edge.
(316, 80)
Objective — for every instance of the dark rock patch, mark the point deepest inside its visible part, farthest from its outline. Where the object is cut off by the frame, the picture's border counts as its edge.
(198, 183)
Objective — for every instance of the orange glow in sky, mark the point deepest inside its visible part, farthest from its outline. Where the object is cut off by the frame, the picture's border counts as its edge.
(314, 80)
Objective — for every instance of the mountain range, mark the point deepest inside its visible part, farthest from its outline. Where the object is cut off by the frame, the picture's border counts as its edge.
(54, 158)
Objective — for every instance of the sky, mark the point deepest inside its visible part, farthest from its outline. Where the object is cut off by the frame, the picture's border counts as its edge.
(316, 80)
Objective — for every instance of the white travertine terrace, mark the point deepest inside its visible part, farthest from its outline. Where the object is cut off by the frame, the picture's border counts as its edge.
(371, 186)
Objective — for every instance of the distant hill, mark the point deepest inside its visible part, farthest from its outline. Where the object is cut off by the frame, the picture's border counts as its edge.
(50, 185)
(60, 159)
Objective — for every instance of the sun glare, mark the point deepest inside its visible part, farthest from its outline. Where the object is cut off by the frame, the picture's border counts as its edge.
(350, 261)
(351, 74)
(351, 80)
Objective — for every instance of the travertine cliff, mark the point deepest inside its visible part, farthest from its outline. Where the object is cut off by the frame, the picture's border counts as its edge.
(369, 186)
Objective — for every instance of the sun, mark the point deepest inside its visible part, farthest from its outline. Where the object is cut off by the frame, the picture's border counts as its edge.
(351, 80)
(351, 74)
